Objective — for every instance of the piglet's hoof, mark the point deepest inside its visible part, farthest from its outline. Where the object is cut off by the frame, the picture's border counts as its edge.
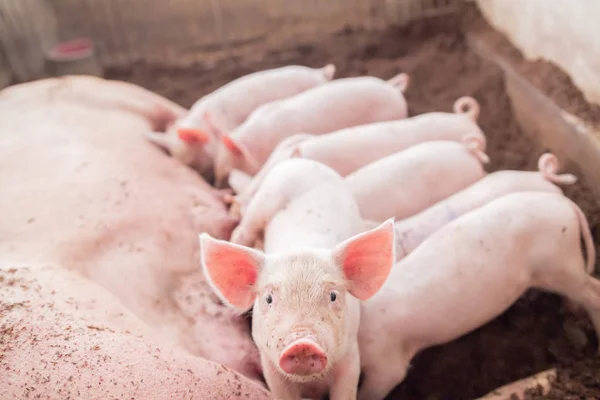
(235, 211)
(225, 195)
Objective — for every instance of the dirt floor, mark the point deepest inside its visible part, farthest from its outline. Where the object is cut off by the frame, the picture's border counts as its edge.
(534, 334)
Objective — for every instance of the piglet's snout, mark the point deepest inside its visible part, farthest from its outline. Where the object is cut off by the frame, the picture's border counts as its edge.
(303, 357)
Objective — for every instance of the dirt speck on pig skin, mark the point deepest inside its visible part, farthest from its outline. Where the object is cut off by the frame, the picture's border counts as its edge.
(530, 337)
(69, 353)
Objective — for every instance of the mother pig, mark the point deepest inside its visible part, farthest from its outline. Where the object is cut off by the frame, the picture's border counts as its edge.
(82, 189)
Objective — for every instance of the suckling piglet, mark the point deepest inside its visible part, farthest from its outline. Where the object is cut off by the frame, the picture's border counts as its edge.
(349, 149)
(338, 104)
(471, 271)
(306, 289)
(412, 231)
(405, 183)
(193, 139)
(238, 180)
(246, 190)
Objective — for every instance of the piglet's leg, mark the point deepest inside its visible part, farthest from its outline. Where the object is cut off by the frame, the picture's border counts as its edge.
(238, 180)
(592, 303)
(263, 207)
(384, 369)
(379, 384)
(278, 385)
(291, 178)
(573, 282)
(346, 377)
(282, 152)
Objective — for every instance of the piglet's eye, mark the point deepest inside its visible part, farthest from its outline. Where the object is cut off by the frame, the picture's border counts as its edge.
(332, 296)
(269, 299)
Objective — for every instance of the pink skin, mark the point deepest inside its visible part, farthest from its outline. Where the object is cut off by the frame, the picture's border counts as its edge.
(114, 210)
(411, 232)
(350, 149)
(64, 336)
(229, 106)
(238, 180)
(422, 175)
(339, 104)
(305, 290)
(471, 271)
(108, 96)
(283, 151)
(314, 183)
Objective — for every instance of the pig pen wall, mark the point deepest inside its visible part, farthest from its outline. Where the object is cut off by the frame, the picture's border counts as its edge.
(180, 32)
(536, 333)
(560, 31)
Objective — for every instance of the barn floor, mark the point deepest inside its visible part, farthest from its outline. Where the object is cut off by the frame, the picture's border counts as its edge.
(536, 333)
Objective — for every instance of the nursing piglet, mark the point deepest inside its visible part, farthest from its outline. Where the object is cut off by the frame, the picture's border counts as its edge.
(247, 189)
(238, 180)
(411, 232)
(471, 271)
(408, 182)
(193, 139)
(306, 289)
(349, 149)
(339, 104)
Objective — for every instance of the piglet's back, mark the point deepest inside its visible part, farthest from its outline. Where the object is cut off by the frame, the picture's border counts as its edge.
(321, 217)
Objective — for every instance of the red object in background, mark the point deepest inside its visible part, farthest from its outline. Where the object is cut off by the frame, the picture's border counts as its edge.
(73, 49)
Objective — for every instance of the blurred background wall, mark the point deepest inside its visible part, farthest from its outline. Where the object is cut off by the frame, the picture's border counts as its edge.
(179, 32)
(565, 32)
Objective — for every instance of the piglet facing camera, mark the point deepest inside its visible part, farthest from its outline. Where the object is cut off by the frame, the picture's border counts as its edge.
(305, 306)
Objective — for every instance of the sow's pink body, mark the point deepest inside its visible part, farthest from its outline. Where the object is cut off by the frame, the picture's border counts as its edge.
(349, 149)
(411, 232)
(336, 105)
(305, 290)
(100, 297)
(408, 182)
(193, 139)
(471, 271)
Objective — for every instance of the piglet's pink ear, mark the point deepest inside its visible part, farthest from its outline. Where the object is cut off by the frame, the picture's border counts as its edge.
(193, 136)
(232, 145)
(231, 270)
(367, 259)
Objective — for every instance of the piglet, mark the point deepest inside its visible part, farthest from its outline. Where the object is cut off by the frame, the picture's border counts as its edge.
(247, 189)
(339, 104)
(408, 182)
(411, 232)
(471, 271)
(349, 149)
(238, 180)
(283, 186)
(306, 289)
(193, 139)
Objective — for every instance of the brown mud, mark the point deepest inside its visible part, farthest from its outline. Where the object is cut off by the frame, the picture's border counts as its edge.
(535, 333)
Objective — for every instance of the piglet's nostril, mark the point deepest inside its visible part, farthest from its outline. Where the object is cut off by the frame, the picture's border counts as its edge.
(303, 357)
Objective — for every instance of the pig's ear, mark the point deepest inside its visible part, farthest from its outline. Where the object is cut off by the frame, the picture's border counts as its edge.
(193, 135)
(231, 270)
(367, 259)
(233, 146)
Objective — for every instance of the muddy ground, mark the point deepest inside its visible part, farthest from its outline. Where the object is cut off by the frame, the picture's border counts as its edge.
(536, 333)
